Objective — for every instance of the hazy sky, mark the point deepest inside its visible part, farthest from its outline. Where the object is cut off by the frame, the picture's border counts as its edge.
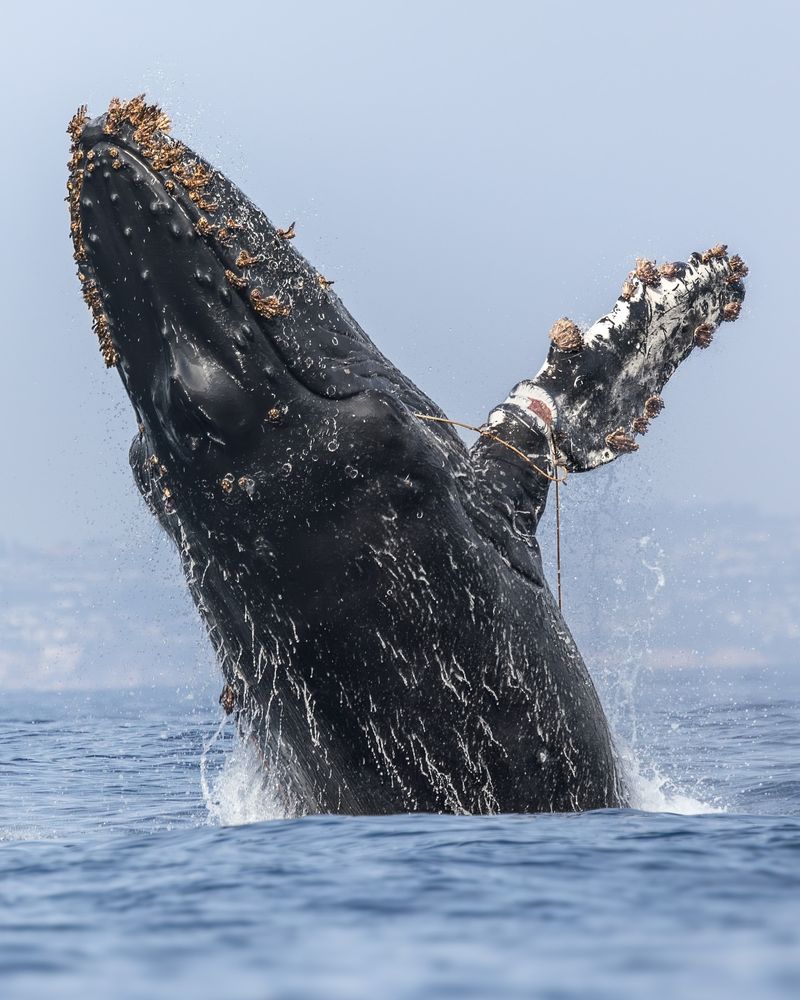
(466, 172)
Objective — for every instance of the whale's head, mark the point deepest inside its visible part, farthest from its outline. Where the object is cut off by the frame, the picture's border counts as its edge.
(258, 397)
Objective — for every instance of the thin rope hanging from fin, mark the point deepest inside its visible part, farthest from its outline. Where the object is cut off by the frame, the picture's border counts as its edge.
(552, 478)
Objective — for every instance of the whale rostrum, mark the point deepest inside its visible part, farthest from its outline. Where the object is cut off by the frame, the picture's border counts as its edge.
(372, 587)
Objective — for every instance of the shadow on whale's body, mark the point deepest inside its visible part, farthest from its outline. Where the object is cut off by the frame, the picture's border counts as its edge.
(373, 588)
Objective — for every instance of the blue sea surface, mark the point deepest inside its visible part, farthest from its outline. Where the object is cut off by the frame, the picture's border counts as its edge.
(134, 864)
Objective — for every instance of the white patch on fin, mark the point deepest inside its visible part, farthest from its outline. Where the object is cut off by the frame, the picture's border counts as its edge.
(537, 405)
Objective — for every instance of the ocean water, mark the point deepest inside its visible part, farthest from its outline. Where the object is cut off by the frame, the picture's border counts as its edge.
(141, 855)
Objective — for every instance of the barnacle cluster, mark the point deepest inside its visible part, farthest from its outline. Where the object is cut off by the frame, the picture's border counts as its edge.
(149, 128)
(716, 252)
(145, 128)
(621, 442)
(703, 335)
(566, 335)
(668, 271)
(246, 259)
(653, 405)
(235, 279)
(268, 306)
(77, 164)
(731, 311)
(227, 699)
(738, 268)
(647, 272)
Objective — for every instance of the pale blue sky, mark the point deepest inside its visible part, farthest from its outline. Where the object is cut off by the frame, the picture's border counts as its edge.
(466, 172)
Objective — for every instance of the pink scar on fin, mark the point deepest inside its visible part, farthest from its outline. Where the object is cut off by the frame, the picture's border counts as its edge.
(542, 411)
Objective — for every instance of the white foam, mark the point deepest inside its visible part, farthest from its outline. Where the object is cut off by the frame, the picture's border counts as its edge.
(651, 791)
(25, 833)
(236, 788)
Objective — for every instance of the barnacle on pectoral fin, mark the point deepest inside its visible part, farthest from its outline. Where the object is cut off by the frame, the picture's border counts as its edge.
(715, 253)
(647, 272)
(653, 406)
(621, 442)
(703, 335)
(601, 387)
(566, 335)
(738, 268)
(731, 311)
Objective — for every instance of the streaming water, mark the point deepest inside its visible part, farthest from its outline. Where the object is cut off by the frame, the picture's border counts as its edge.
(142, 853)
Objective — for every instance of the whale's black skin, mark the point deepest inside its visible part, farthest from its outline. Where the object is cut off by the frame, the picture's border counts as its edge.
(374, 589)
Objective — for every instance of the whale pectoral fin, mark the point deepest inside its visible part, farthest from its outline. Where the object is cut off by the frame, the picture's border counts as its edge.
(600, 387)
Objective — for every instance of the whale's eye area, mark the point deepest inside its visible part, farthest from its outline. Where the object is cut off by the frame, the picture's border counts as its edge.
(189, 427)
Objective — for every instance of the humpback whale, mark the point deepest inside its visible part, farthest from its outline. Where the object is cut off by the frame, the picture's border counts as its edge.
(372, 586)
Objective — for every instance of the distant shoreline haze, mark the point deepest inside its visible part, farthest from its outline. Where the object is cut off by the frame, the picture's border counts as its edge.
(718, 588)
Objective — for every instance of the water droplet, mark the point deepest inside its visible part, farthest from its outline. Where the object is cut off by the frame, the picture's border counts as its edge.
(333, 445)
(351, 471)
(286, 470)
(419, 514)
(335, 341)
